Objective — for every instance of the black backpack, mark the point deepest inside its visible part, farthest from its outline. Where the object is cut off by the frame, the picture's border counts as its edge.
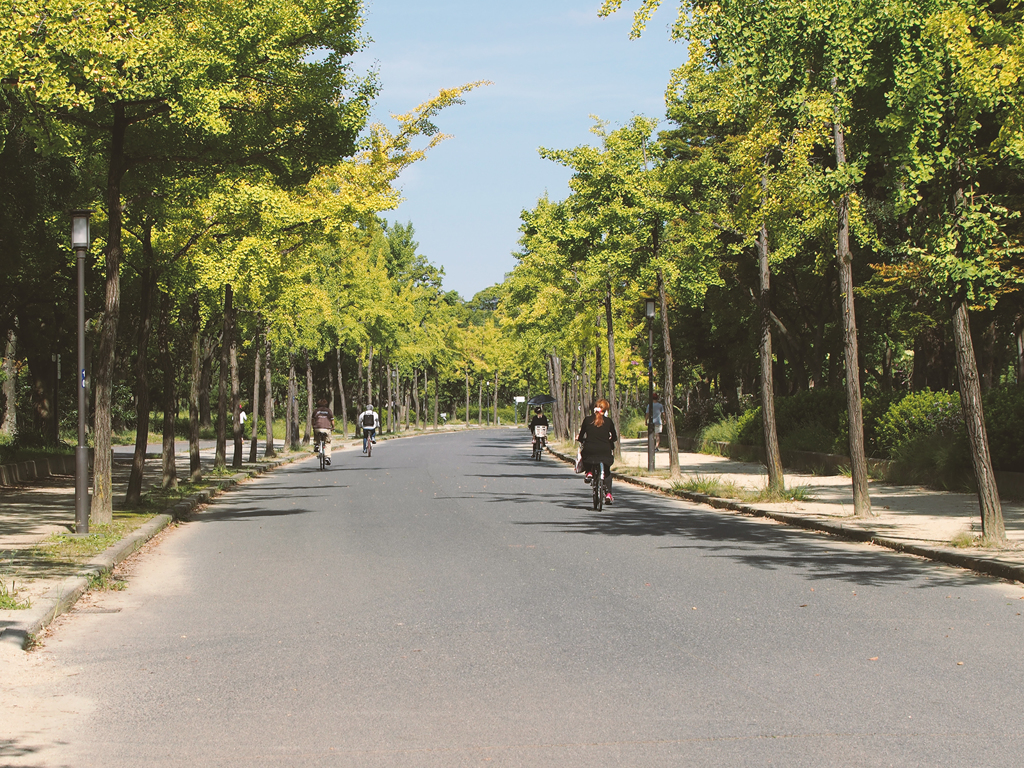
(368, 420)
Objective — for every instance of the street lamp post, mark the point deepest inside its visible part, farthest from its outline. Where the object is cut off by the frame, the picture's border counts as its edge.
(649, 312)
(80, 244)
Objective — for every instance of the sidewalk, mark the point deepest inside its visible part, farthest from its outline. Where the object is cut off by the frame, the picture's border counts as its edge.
(909, 519)
(30, 514)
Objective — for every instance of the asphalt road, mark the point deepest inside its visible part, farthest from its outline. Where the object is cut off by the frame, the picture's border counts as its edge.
(449, 602)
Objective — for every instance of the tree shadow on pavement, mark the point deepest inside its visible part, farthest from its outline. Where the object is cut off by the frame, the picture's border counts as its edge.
(759, 544)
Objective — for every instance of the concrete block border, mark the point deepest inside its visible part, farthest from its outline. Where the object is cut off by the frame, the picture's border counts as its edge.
(63, 596)
(990, 565)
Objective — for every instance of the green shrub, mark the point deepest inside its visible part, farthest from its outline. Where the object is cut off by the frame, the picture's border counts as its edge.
(814, 420)
(944, 464)
(1004, 422)
(919, 414)
(724, 431)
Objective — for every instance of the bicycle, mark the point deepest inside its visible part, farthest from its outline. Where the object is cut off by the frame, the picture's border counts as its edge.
(597, 481)
(368, 442)
(319, 448)
(540, 434)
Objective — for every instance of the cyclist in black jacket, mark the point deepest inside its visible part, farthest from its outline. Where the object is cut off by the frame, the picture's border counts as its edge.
(598, 438)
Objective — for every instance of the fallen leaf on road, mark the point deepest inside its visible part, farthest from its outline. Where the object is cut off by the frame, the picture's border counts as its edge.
(873, 658)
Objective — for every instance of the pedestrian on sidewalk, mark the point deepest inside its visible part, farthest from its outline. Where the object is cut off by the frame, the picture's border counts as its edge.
(323, 423)
(597, 438)
(654, 417)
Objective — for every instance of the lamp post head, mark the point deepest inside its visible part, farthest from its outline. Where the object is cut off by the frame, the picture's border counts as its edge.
(650, 309)
(80, 230)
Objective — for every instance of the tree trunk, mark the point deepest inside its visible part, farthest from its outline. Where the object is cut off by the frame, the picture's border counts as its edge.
(292, 407)
(208, 350)
(341, 391)
(435, 396)
(220, 461)
(480, 404)
(236, 398)
(194, 462)
(268, 406)
(369, 374)
(9, 426)
(467, 398)
(416, 395)
(668, 392)
(134, 494)
(391, 399)
(309, 400)
(102, 508)
(844, 262)
(255, 415)
(773, 458)
(495, 396)
(169, 478)
(993, 530)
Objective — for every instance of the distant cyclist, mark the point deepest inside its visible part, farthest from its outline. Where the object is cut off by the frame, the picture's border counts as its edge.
(323, 423)
(538, 420)
(370, 422)
(598, 438)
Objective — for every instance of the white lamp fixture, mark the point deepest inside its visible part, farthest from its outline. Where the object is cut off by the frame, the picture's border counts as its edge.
(650, 309)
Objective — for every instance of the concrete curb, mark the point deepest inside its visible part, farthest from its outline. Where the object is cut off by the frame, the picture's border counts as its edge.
(988, 565)
(64, 596)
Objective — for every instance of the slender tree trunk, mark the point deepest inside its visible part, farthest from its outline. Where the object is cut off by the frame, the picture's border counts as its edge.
(134, 494)
(609, 322)
(309, 400)
(236, 398)
(844, 262)
(369, 374)
(416, 395)
(169, 477)
(208, 350)
(9, 426)
(391, 399)
(992, 527)
(480, 404)
(255, 415)
(668, 393)
(437, 381)
(292, 408)
(102, 508)
(495, 397)
(467, 398)
(773, 458)
(268, 406)
(220, 461)
(194, 463)
(341, 391)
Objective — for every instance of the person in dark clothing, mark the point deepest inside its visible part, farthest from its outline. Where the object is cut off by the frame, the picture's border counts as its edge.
(538, 420)
(597, 438)
(323, 423)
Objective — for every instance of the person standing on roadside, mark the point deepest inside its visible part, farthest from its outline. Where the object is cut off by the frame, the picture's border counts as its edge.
(655, 411)
(323, 423)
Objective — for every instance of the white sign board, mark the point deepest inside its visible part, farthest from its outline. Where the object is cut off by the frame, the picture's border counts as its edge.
(520, 399)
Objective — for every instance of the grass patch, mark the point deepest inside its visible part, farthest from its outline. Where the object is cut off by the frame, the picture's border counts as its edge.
(796, 493)
(965, 539)
(710, 485)
(9, 598)
(713, 485)
(63, 546)
(159, 499)
(108, 582)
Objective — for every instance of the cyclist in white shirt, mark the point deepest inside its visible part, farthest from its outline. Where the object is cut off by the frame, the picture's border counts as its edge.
(370, 422)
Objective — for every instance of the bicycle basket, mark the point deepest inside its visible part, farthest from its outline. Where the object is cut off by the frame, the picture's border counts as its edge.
(540, 431)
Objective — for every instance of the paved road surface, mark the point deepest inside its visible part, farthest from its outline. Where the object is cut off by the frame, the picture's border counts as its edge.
(449, 602)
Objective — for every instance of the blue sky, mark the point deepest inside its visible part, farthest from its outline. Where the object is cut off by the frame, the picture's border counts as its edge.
(552, 64)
